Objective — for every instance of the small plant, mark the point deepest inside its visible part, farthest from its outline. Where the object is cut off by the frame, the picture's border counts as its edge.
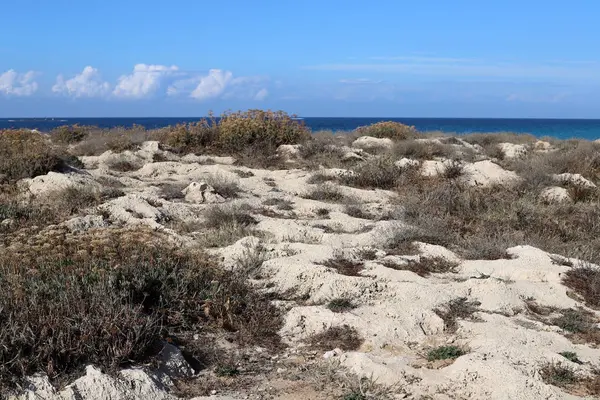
(344, 265)
(325, 192)
(445, 353)
(376, 173)
(357, 211)
(354, 396)
(319, 178)
(322, 212)
(454, 169)
(223, 186)
(367, 254)
(69, 134)
(220, 216)
(426, 266)
(558, 375)
(340, 305)
(585, 280)
(336, 337)
(227, 370)
(243, 174)
(124, 166)
(571, 356)
(456, 309)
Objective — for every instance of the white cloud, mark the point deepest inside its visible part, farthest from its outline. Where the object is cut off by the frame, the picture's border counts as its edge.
(212, 85)
(13, 83)
(86, 84)
(262, 94)
(144, 80)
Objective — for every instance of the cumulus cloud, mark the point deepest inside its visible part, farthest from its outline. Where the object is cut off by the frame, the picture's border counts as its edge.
(86, 84)
(212, 85)
(18, 84)
(144, 81)
(262, 94)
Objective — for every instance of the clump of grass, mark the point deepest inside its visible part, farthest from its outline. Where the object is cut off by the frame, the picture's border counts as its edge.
(243, 174)
(224, 187)
(571, 356)
(172, 191)
(357, 211)
(124, 166)
(281, 204)
(388, 129)
(445, 353)
(456, 309)
(584, 280)
(426, 266)
(342, 337)
(421, 150)
(25, 154)
(319, 178)
(322, 212)
(219, 216)
(344, 265)
(375, 173)
(558, 375)
(325, 192)
(340, 305)
(453, 170)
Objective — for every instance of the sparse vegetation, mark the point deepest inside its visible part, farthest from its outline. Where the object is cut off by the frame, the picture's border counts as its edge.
(325, 192)
(342, 337)
(571, 356)
(558, 375)
(344, 265)
(425, 266)
(585, 280)
(223, 186)
(456, 309)
(340, 305)
(389, 130)
(445, 353)
(376, 173)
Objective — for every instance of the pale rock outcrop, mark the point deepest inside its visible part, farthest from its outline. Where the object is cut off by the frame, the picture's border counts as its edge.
(85, 223)
(289, 151)
(55, 181)
(406, 163)
(486, 173)
(542, 146)
(575, 179)
(372, 143)
(201, 192)
(134, 209)
(512, 150)
(555, 194)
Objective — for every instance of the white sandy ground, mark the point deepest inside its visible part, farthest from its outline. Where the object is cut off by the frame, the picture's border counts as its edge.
(395, 313)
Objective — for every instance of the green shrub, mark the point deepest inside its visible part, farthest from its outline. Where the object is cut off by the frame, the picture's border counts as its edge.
(388, 129)
(445, 353)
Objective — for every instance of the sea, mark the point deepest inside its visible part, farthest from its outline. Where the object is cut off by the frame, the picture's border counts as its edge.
(558, 128)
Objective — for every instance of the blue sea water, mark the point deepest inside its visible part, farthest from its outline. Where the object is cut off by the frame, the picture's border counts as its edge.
(558, 128)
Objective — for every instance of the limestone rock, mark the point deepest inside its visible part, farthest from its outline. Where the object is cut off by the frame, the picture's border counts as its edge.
(512, 150)
(575, 179)
(201, 192)
(372, 143)
(555, 194)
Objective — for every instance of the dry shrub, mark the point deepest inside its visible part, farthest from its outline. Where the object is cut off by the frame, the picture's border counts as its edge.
(422, 150)
(584, 280)
(388, 129)
(25, 154)
(376, 173)
(325, 192)
(117, 140)
(108, 297)
(425, 266)
(342, 337)
(481, 222)
(224, 186)
(345, 265)
(456, 309)
(70, 134)
(220, 216)
(193, 137)
(321, 151)
(259, 129)
(490, 139)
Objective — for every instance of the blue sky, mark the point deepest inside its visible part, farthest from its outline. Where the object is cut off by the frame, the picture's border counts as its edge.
(394, 58)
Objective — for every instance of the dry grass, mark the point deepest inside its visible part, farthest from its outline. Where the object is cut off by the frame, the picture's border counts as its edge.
(25, 154)
(422, 150)
(336, 337)
(565, 378)
(325, 192)
(98, 141)
(425, 266)
(375, 173)
(340, 305)
(224, 186)
(107, 299)
(222, 215)
(585, 280)
(345, 265)
(456, 309)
